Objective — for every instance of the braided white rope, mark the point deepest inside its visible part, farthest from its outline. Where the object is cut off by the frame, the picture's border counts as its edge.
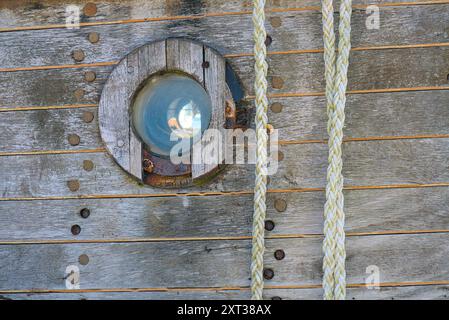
(334, 278)
(260, 189)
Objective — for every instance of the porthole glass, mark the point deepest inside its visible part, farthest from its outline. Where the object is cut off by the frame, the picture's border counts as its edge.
(170, 103)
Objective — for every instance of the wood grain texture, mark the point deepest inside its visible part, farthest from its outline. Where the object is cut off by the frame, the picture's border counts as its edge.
(302, 119)
(228, 34)
(218, 263)
(115, 104)
(405, 230)
(369, 70)
(427, 292)
(113, 116)
(367, 211)
(215, 85)
(22, 13)
(304, 166)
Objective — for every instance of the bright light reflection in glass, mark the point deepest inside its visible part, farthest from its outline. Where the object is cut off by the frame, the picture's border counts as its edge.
(170, 103)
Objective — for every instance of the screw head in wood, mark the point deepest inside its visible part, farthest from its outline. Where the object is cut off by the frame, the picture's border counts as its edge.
(88, 116)
(88, 165)
(268, 274)
(277, 82)
(279, 254)
(206, 64)
(275, 22)
(280, 205)
(276, 107)
(93, 37)
(85, 213)
(90, 76)
(73, 185)
(90, 9)
(83, 259)
(75, 229)
(269, 225)
(73, 139)
(78, 55)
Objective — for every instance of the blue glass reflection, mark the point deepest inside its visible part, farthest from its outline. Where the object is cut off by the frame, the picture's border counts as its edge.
(170, 103)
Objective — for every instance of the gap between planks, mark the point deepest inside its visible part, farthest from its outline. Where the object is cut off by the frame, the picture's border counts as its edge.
(229, 238)
(214, 14)
(223, 193)
(200, 289)
(281, 142)
(229, 56)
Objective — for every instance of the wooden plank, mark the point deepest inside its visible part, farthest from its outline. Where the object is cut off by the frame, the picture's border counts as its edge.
(369, 70)
(304, 166)
(215, 85)
(367, 115)
(22, 13)
(392, 70)
(365, 163)
(51, 87)
(115, 103)
(48, 130)
(229, 34)
(186, 56)
(400, 258)
(113, 116)
(302, 119)
(143, 62)
(428, 292)
(367, 211)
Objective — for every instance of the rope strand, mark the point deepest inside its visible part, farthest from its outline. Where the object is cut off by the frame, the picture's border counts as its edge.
(334, 278)
(260, 189)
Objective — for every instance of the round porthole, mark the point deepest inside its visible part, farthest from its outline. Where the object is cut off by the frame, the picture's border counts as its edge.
(162, 93)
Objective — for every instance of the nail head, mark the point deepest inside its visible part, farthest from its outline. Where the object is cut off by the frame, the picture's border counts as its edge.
(279, 254)
(76, 229)
(79, 94)
(269, 225)
(73, 139)
(276, 107)
(78, 55)
(90, 76)
(93, 37)
(88, 116)
(83, 259)
(277, 82)
(268, 40)
(88, 165)
(268, 274)
(85, 213)
(280, 205)
(90, 9)
(73, 185)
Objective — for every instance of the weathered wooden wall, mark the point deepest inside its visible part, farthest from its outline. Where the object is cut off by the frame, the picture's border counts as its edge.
(195, 243)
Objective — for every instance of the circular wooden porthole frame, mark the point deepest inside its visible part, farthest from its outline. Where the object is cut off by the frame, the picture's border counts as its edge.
(202, 63)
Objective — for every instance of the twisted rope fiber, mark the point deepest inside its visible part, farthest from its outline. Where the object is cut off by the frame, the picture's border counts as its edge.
(260, 189)
(336, 69)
